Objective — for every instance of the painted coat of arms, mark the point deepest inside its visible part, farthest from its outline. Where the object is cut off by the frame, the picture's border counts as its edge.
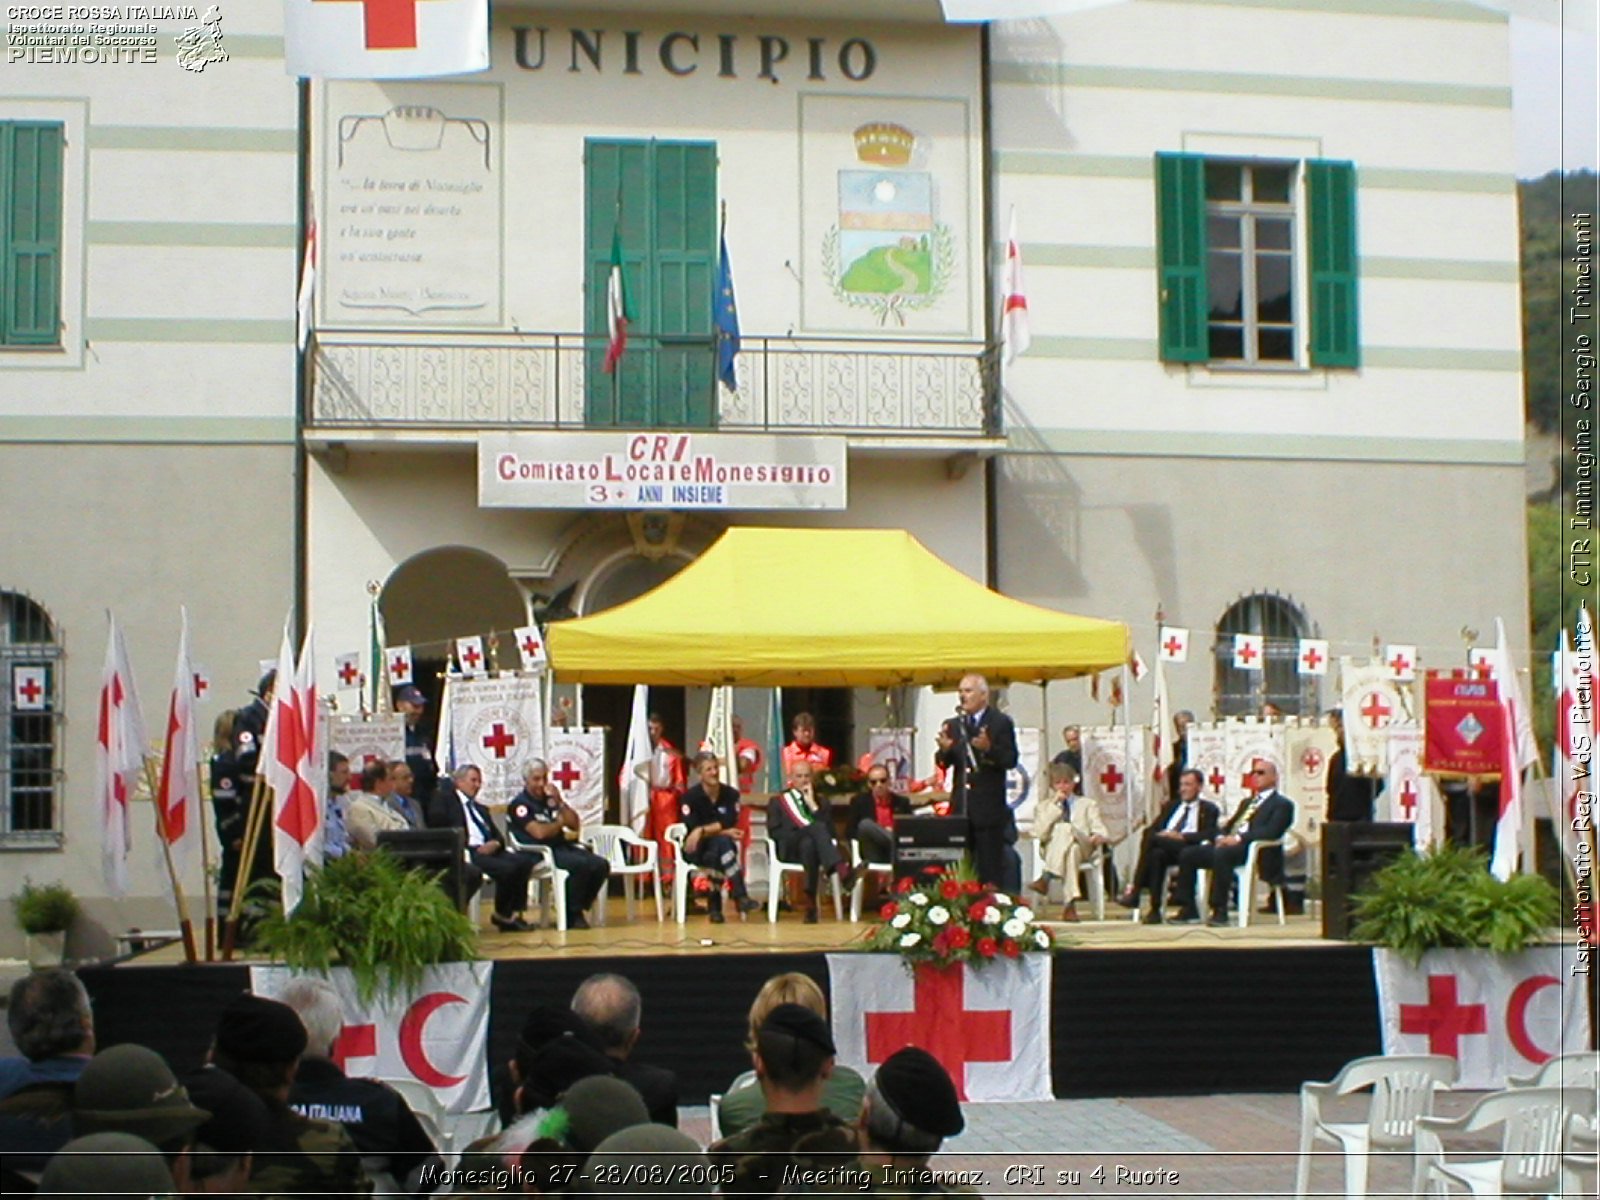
(889, 253)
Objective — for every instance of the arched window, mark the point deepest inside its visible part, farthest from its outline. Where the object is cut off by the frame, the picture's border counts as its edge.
(1281, 623)
(30, 720)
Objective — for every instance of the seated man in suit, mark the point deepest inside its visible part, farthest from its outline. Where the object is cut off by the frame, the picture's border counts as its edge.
(1067, 827)
(802, 830)
(872, 815)
(1265, 817)
(539, 814)
(372, 811)
(1185, 821)
(486, 846)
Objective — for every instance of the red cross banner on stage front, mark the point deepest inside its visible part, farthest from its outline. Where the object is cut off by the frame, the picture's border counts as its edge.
(1312, 657)
(1409, 795)
(1498, 1015)
(530, 644)
(1174, 645)
(989, 1026)
(385, 39)
(497, 725)
(30, 689)
(577, 759)
(397, 662)
(435, 1035)
(470, 656)
(1247, 651)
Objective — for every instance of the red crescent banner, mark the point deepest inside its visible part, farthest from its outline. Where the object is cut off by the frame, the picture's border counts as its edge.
(1462, 725)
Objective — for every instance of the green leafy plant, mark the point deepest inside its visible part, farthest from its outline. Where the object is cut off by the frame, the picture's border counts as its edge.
(953, 918)
(1448, 899)
(370, 913)
(45, 907)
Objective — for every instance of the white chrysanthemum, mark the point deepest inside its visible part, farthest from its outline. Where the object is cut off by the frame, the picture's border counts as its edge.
(1001, 898)
(938, 914)
(1014, 928)
(993, 916)
(918, 899)
(909, 940)
(901, 920)
(1041, 939)
(1023, 913)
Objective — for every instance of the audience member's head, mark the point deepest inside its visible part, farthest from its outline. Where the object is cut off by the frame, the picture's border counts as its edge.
(107, 1164)
(792, 987)
(49, 1016)
(338, 772)
(609, 1005)
(554, 1051)
(793, 1056)
(130, 1089)
(259, 1042)
(375, 779)
(633, 1153)
(225, 1145)
(316, 1002)
(1072, 737)
(910, 1107)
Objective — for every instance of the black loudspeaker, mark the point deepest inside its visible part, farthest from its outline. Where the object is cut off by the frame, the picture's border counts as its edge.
(440, 852)
(1352, 851)
(928, 845)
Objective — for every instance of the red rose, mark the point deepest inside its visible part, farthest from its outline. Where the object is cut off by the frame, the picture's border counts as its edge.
(888, 911)
(972, 887)
(987, 947)
(978, 908)
(960, 939)
(941, 941)
(905, 885)
(949, 889)
(1011, 949)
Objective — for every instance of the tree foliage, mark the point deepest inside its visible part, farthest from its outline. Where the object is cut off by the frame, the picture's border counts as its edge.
(1548, 273)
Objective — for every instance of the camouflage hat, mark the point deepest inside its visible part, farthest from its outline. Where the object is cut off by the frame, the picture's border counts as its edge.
(619, 1162)
(130, 1089)
(107, 1164)
(599, 1106)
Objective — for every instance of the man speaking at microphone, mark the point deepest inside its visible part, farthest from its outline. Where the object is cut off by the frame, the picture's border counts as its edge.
(979, 744)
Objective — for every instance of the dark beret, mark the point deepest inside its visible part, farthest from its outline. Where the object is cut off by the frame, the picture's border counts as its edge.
(920, 1091)
(255, 1029)
(239, 1121)
(800, 1022)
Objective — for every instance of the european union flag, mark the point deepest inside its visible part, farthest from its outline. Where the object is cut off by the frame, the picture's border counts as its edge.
(725, 318)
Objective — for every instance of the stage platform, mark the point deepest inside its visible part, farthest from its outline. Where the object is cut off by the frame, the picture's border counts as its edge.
(1135, 1010)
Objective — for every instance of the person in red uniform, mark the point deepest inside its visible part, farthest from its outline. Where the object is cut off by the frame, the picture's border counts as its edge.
(747, 758)
(667, 774)
(805, 747)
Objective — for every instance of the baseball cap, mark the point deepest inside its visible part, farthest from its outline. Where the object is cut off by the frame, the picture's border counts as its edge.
(410, 694)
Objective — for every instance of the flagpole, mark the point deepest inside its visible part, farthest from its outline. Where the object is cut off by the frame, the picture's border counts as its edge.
(185, 925)
(247, 854)
(205, 877)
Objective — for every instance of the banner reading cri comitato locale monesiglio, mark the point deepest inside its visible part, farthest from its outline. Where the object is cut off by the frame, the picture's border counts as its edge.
(630, 470)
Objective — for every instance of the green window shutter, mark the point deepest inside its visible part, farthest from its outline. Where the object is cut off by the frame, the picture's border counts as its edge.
(684, 260)
(1181, 237)
(30, 227)
(1331, 194)
(617, 193)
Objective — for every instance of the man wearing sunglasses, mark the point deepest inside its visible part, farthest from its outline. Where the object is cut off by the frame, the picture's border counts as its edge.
(1264, 817)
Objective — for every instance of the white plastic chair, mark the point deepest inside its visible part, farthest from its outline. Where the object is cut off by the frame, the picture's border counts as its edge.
(1245, 876)
(1568, 1070)
(1536, 1126)
(777, 869)
(549, 879)
(631, 857)
(715, 1102)
(1403, 1087)
(681, 869)
(858, 890)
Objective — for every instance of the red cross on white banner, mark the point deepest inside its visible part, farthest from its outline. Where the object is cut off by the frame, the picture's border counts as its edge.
(1247, 651)
(1313, 658)
(1111, 779)
(470, 651)
(399, 660)
(1408, 799)
(347, 667)
(941, 1024)
(567, 774)
(531, 646)
(1174, 644)
(1375, 710)
(499, 740)
(28, 689)
(1217, 780)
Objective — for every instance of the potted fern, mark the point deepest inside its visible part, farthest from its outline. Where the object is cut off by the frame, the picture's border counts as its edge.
(45, 912)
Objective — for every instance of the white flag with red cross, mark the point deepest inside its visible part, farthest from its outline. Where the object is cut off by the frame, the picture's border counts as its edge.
(530, 644)
(436, 1034)
(1174, 646)
(397, 662)
(178, 796)
(347, 671)
(1401, 661)
(1311, 658)
(1207, 745)
(30, 689)
(119, 759)
(1248, 651)
(1497, 1015)
(469, 653)
(988, 1026)
(384, 39)
(577, 759)
(1014, 328)
(1409, 795)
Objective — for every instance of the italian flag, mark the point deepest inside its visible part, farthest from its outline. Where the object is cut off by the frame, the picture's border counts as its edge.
(616, 306)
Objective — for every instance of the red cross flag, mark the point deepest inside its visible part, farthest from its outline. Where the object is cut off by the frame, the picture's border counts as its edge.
(1312, 657)
(988, 1026)
(469, 653)
(1174, 644)
(1401, 661)
(397, 661)
(1497, 1015)
(1247, 651)
(385, 39)
(119, 758)
(178, 798)
(1014, 330)
(30, 689)
(202, 681)
(347, 670)
(530, 644)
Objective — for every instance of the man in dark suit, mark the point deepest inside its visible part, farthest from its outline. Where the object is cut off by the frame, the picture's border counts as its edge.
(979, 745)
(486, 847)
(872, 814)
(1186, 820)
(1350, 797)
(610, 1008)
(1265, 817)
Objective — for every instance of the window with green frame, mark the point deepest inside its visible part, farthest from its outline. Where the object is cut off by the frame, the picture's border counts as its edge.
(662, 198)
(1232, 234)
(30, 233)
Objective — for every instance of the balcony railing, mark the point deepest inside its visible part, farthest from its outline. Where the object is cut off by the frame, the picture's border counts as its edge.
(368, 379)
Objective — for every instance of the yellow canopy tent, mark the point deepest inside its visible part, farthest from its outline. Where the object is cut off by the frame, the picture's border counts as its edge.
(829, 608)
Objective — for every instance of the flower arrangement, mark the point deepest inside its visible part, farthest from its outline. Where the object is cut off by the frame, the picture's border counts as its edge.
(838, 781)
(952, 918)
